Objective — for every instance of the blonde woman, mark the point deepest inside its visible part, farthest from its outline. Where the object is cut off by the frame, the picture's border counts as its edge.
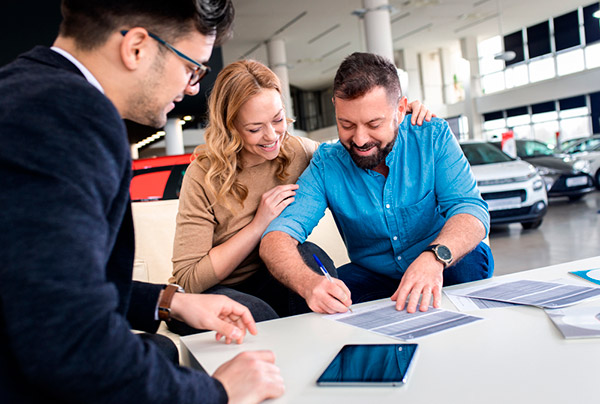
(241, 179)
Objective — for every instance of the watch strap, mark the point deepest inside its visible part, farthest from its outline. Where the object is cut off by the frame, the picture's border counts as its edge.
(164, 303)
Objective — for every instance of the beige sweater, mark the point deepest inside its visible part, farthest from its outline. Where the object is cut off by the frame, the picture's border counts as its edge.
(201, 226)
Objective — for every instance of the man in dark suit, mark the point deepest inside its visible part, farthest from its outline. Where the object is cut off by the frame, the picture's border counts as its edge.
(67, 300)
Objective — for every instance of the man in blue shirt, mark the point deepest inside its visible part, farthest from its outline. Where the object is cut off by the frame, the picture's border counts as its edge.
(403, 197)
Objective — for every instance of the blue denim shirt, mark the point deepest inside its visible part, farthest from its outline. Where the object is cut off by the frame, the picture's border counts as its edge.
(387, 222)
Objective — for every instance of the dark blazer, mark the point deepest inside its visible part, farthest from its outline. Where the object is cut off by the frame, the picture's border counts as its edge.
(67, 301)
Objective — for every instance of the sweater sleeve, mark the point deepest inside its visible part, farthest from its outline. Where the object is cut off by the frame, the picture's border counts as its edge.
(192, 267)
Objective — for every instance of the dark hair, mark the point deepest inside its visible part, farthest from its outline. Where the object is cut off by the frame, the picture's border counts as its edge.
(360, 72)
(90, 22)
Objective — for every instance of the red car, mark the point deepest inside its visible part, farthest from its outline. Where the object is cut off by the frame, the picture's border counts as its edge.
(158, 178)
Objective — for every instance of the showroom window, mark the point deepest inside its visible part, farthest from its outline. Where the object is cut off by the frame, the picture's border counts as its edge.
(571, 117)
(560, 46)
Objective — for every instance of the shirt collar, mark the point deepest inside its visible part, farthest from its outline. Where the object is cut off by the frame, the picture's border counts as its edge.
(86, 73)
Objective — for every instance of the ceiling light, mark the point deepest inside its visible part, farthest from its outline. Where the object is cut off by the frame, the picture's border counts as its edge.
(187, 118)
(506, 56)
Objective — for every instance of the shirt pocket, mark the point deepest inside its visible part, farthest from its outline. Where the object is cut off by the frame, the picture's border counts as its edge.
(419, 221)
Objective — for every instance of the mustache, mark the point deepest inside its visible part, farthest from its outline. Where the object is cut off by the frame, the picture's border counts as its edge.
(366, 146)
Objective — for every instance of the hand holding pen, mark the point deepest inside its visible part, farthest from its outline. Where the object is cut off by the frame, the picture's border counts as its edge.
(329, 279)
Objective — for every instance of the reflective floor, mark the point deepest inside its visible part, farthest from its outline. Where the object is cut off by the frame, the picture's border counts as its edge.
(570, 231)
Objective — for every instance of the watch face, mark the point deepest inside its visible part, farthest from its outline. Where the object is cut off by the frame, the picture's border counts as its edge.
(444, 252)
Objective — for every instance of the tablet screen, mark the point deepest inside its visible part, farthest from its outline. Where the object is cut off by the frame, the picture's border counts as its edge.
(386, 364)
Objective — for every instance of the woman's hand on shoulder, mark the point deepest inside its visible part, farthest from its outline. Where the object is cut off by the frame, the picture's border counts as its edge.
(419, 113)
(273, 202)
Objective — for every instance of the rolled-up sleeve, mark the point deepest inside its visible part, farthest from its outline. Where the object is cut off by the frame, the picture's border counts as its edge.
(302, 216)
(455, 185)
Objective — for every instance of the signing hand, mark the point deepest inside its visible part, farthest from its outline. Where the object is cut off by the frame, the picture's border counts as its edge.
(251, 377)
(214, 312)
(327, 297)
(423, 279)
(273, 202)
(419, 113)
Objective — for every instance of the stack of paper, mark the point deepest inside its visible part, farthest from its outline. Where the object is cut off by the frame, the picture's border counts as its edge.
(554, 297)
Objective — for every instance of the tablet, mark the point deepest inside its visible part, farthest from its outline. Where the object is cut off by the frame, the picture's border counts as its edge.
(370, 365)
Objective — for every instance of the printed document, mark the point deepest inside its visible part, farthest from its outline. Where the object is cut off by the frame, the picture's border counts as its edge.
(548, 295)
(383, 318)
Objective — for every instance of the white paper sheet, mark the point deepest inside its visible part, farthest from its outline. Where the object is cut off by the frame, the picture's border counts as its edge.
(383, 318)
(549, 295)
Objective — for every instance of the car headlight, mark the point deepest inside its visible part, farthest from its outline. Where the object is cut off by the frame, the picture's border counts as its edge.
(538, 184)
(582, 165)
(543, 171)
(549, 181)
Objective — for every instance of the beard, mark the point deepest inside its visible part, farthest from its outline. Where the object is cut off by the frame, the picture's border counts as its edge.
(373, 160)
(145, 108)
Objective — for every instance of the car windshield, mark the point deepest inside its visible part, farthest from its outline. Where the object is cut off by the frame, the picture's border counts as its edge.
(483, 153)
(533, 148)
(585, 145)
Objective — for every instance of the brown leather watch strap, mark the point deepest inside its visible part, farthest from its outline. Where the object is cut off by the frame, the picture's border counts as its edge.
(164, 304)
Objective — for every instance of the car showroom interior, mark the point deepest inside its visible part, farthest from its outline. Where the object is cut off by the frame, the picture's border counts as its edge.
(518, 83)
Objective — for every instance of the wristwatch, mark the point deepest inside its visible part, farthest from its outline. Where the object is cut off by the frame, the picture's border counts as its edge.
(442, 253)
(164, 302)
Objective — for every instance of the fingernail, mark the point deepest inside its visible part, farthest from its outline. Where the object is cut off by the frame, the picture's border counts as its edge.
(236, 333)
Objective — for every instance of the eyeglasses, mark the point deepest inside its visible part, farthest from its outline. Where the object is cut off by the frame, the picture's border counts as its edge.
(200, 69)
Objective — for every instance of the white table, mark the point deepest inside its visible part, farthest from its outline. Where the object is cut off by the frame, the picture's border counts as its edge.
(514, 355)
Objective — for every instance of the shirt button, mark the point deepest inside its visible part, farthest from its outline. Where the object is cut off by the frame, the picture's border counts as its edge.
(387, 206)
(395, 238)
(399, 258)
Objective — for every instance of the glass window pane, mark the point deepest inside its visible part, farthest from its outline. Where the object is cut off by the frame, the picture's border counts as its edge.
(492, 116)
(570, 62)
(516, 76)
(569, 113)
(566, 31)
(575, 127)
(592, 56)
(544, 117)
(490, 65)
(522, 132)
(546, 131)
(496, 124)
(514, 42)
(518, 120)
(592, 28)
(542, 69)
(492, 83)
(538, 39)
(572, 102)
(543, 107)
(489, 47)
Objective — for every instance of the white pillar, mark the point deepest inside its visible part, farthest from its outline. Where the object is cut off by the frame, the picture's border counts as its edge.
(448, 95)
(135, 153)
(472, 86)
(409, 62)
(278, 63)
(378, 28)
(174, 137)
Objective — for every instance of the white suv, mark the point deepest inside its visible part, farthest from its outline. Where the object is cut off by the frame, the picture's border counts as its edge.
(513, 189)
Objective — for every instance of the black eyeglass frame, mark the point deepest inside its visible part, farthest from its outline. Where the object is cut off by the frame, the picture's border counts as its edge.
(200, 71)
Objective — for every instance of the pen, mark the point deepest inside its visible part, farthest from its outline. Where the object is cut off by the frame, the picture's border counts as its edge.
(326, 273)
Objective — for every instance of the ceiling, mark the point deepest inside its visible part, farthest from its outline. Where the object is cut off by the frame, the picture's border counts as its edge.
(320, 33)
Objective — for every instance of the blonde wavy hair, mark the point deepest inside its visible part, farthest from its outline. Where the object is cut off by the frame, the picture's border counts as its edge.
(235, 85)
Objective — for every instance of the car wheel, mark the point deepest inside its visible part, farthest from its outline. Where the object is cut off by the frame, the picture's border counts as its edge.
(531, 225)
(574, 198)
